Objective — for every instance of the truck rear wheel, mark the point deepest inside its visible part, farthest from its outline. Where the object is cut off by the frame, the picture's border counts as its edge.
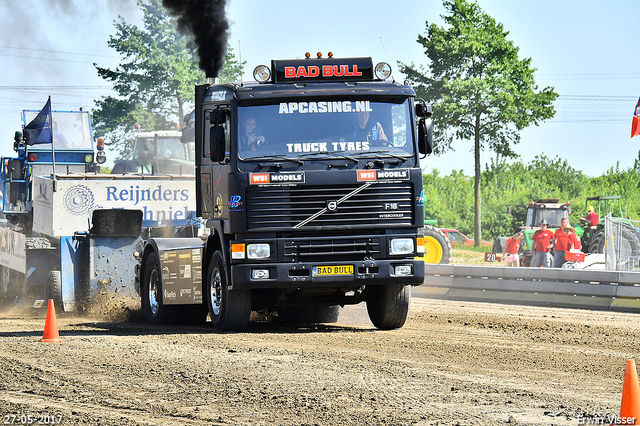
(437, 248)
(154, 309)
(229, 309)
(388, 305)
(54, 289)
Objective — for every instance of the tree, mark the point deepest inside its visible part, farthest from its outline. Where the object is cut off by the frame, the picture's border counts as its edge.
(155, 78)
(479, 88)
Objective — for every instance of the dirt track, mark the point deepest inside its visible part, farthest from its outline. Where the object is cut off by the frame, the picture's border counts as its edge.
(453, 363)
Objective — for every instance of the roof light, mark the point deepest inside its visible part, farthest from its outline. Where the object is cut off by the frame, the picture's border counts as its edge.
(261, 73)
(100, 144)
(382, 70)
(319, 55)
(307, 55)
(330, 54)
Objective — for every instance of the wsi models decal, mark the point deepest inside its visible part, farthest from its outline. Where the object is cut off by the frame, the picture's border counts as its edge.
(285, 178)
(376, 175)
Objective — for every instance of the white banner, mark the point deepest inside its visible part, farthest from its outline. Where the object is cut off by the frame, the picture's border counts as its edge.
(69, 209)
(13, 251)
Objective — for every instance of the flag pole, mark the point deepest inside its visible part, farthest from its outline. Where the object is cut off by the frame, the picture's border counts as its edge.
(53, 150)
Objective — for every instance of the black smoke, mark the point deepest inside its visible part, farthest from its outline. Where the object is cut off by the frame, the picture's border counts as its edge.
(207, 21)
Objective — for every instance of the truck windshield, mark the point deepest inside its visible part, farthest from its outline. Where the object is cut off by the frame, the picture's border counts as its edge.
(552, 216)
(295, 129)
(71, 130)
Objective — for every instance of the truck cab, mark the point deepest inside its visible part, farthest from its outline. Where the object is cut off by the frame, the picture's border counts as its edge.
(310, 181)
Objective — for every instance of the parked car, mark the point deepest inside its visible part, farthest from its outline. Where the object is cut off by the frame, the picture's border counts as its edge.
(457, 238)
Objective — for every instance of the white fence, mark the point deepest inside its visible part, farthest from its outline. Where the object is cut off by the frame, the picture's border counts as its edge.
(621, 244)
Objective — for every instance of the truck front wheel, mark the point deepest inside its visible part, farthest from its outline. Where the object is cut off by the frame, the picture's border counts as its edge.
(155, 311)
(229, 309)
(388, 305)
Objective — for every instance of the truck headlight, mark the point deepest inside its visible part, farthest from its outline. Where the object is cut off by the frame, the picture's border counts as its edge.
(258, 251)
(401, 246)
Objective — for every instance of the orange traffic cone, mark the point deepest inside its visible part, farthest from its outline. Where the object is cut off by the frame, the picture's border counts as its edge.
(51, 325)
(630, 406)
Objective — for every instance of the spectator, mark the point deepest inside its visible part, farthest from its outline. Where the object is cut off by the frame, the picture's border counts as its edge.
(561, 243)
(574, 239)
(543, 244)
(511, 250)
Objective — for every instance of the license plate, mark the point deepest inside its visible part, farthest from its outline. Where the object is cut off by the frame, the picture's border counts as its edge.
(333, 270)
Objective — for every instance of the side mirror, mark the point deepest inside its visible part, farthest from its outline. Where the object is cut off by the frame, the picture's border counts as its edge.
(425, 136)
(423, 110)
(216, 144)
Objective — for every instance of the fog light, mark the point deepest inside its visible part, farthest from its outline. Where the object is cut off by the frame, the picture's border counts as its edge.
(382, 70)
(262, 73)
(88, 158)
(260, 274)
(401, 246)
(403, 270)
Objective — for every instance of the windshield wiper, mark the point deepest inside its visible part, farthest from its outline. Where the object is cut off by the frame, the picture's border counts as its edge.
(386, 153)
(331, 153)
(273, 157)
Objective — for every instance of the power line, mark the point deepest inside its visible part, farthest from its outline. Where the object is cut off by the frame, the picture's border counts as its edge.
(57, 51)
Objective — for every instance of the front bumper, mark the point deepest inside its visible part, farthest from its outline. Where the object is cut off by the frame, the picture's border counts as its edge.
(300, 275)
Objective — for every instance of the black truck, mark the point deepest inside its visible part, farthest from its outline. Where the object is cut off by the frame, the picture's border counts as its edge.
(310, 184)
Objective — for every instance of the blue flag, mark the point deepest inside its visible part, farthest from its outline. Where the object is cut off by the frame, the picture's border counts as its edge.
(39, 129)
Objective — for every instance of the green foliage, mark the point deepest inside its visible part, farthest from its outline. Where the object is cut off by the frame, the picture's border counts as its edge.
(450, 198)
(155, 79)
(479, 88)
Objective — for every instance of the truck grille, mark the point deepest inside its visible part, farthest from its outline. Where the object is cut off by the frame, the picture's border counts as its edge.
(332, 249)
(285, 207)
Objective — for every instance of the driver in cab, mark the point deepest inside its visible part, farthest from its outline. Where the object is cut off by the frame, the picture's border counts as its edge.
(369, 130)
(250, 138)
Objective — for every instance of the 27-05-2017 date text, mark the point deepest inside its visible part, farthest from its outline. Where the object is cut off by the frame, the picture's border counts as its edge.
(31, 419)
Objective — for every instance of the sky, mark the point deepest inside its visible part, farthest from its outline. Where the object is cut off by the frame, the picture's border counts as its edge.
(586, 50)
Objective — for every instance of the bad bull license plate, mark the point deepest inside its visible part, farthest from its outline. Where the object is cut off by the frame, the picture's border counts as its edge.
(333, 270)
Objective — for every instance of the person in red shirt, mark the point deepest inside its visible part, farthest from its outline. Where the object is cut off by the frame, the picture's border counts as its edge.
(592, 217)
(543, 245)
(561, 243)
(511, 250)
(574, 240)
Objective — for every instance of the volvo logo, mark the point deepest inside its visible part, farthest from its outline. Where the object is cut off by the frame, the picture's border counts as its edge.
(332, 206)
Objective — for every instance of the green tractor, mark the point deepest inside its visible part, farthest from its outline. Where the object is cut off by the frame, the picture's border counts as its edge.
(593, 239)
(551, 210)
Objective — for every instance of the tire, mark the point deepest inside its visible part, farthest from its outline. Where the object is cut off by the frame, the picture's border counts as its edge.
(437, 248)
(388, 305)
(229, 309)
(499, 244)
(155, 311)
(54, 289)
(596, 245)
(326, 314)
